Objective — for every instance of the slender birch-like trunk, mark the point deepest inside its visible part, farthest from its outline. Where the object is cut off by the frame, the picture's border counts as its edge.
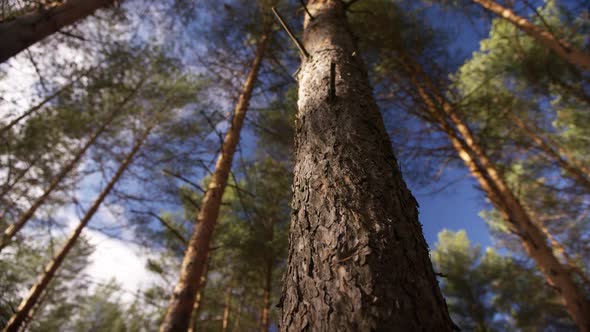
(561, 47)
(357, 260)
(35, 292)
(178, 317)
(19, 33)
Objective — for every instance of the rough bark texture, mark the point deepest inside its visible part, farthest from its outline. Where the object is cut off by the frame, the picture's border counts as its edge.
(562, 48)
(14, 228)
(35, 292)
(182, 301)
(357, 258)
(21, 32)
(524, 225)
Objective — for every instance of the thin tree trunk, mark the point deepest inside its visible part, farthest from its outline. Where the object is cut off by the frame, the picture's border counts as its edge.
(226, 310)
(561, 47)
(504, 199)
(6, 189)
(265, 316)
(182, 300)
(357, 258)
(40, 104)
(14, 228)
(193, 326)
(29, 301)
(239, 315)
(23, 31)
(264, 320)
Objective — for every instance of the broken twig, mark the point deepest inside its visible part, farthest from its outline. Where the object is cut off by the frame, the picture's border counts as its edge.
(293, 38)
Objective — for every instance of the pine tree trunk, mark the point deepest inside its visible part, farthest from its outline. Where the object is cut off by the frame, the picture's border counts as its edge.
(226, 310)
(265, 316)
(14, 228)
(9, 186)
(238, 316)
(182, 300)
(504, 199)
(48, 273)
(21, 32)
(357, 258)
(39, 105)
(193, 326)
(561, 47)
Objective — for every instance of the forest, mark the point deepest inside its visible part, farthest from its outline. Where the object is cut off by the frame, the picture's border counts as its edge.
(273, 165)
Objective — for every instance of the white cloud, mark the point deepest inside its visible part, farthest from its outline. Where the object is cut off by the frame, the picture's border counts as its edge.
(119, 260)
(113, 258)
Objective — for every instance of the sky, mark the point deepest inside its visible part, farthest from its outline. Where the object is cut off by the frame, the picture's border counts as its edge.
(455, 208)
(459, 205)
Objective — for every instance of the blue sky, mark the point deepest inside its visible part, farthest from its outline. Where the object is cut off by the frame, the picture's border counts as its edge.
(458, 206)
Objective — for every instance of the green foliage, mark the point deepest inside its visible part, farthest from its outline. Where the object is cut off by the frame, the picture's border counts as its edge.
(486, 291)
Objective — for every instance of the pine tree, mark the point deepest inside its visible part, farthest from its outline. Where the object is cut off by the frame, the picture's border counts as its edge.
(561, 47)
(357, 256)
(35, 292)
(183, 298)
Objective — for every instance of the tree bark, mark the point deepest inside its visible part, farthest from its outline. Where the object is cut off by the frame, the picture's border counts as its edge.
(21, 32)
(561, 47)
(193, 326)
(502, 197)
(35, 292)
(357, 258)
(183, 298)
(14, 228)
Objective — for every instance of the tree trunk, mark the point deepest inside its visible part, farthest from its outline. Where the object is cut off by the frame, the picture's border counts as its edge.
(9, 186)
(34, 293)
(561, 47)
(504, 199)
(182, 300)
(21, 32)
(238, 315)
(265, 316)
(226, 310)
(199, 300)
(11, 231)
(357, 258)
(40, 104)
